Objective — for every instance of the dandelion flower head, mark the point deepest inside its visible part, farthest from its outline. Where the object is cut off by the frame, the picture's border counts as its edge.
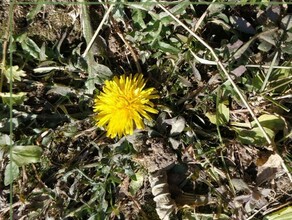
(122, 105)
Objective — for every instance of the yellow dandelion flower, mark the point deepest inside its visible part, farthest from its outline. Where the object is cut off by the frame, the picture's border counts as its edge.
(122, 105)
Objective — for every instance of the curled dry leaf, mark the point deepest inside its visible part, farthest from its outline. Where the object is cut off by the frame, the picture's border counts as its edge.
(270, 169)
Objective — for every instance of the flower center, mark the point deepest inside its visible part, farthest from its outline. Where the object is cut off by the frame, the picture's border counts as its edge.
(125, 102)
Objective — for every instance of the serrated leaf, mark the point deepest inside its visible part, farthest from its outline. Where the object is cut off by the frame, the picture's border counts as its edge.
(15, 99)
(11, 173)
(25, 154)
(15, 72)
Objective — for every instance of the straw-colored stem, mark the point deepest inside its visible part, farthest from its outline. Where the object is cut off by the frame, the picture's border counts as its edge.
(97, 30)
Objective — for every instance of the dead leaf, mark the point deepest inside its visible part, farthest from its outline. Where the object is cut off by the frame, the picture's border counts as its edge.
(268, 170)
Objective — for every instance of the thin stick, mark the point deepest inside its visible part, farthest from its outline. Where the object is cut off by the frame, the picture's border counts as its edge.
(224, 71)
(278, 86)
(267, 67)
(97, 30)
(210, 62)
(203, 16)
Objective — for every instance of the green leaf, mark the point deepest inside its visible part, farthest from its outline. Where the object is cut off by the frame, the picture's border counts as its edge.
(165, 47)
(135, 185)
(254, 136)
(272, 122)
(286, 47)
(138, 18)
(282, 214)
(5, 140)
(221, 23)
(182, 38)
(153, 33)
(29, 46)
(211, 117)
(22, 155)
(215, 9)
(96, 72)
(5, 124)
(33, 12)
(178, 9)
(16, 73)
(145, 5)
(16, 99)
(223, 113)
(11, 173)
(99, 74)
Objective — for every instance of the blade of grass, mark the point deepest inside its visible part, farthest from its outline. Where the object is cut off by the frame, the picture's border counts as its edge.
(210, 62)
(267, 67)
(277, 103)
(271, 145)
(269, 72)
(276, 87)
